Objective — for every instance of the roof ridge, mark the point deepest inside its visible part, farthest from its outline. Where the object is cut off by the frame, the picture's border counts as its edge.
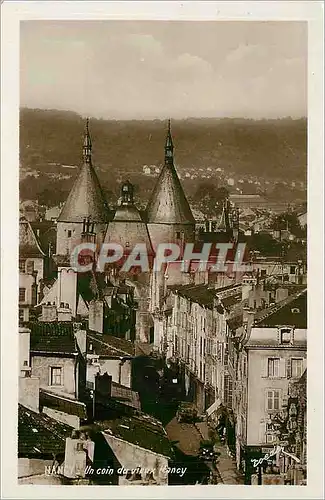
(108, 345)
(270, 310)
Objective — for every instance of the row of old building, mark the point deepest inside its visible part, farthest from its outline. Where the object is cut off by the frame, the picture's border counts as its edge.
(238, 352)
(79, 420)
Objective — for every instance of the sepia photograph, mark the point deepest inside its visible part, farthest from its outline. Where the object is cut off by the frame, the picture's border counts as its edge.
(162, 264)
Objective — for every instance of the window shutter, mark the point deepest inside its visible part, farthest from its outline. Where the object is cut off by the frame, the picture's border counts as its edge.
(282, 367)
(262, 432)
(288, 363)
(264, 370)
(304, 364)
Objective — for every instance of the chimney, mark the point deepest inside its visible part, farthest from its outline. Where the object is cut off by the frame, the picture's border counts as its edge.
(103, 386)
(248, 317)
(24, 351)
(81, 338)
(64, 312)
(96, 316)
(281, 294)
(49, 312)
(78, 453)
(28, 392)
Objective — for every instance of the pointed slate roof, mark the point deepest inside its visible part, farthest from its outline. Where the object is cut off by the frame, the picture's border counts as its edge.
(168, 203)
(86, 198)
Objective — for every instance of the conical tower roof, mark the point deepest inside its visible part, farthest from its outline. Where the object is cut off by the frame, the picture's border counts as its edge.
(168, 203)
(86, 198)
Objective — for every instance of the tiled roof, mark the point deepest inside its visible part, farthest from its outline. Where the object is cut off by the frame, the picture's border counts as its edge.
(47, 234)
(60, 403)
(52, 338)
(199, 294)
(134, 427)
(290, 311)
(125, 395)
(29, 245)
(235, 322)
(231, 300)
(108, 345)
(40, 435)
(205, 294)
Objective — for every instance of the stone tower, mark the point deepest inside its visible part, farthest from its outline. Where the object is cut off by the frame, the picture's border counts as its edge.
(169, 215)
(85, 201)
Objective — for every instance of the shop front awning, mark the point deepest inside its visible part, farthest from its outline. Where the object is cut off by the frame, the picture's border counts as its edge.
(215, 408)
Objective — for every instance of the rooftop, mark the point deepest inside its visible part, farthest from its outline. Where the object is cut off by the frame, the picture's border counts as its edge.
(125, 395)
(135, 427)
(54, 337)
(62, 403)
(290, 311)
(108, 345)
(29, 246)
(39, 435)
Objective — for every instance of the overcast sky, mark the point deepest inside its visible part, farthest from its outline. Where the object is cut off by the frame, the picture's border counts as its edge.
(124, 69)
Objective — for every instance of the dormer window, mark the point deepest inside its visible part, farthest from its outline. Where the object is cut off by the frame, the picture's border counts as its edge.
(286, 335)
(295, 310)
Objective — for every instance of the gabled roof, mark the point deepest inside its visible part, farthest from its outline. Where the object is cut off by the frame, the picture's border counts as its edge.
(109, 346)
(40, 436)
(62, 403)
(86, 199)
(125, 395)
(290, 311)
(29, 245)
(53, 338)
(120, 421)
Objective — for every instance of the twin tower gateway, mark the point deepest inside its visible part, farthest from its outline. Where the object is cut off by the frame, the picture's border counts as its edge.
(85, 217)
(168, 217)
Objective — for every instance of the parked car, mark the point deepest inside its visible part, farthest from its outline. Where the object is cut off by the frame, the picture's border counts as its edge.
(207, 452)
(186, 412)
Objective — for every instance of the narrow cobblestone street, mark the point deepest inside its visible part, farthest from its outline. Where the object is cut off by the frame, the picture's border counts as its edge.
(186, 436)
(226, 471)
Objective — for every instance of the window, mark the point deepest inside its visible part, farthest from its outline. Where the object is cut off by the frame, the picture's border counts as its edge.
(25, 363)
(296, 368)
(178, 235)
(187, 353)
(228, 391)
(292, 269)
(56, 376)
(21, 315)
(263, 273)
(69, 233)
(273, 367)
(22, 263)
(30, 267)
(244, 366)
(22, 294)
(273, 399)
(285, 335)
(270, 438)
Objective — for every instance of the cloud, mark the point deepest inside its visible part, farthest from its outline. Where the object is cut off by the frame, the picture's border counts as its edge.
(134, 69)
